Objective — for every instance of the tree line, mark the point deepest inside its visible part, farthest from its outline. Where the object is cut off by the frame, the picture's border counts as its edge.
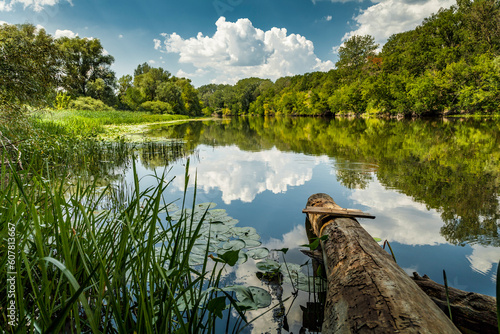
(39, 70)
(449, 64)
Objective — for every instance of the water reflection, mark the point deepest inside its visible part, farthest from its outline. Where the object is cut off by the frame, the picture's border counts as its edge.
(242, 175)
(452, 167)
(433, 185)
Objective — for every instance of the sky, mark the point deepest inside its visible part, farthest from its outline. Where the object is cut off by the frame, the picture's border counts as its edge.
(222, 41)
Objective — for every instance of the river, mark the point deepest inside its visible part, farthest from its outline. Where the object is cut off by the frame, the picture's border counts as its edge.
(433, 186)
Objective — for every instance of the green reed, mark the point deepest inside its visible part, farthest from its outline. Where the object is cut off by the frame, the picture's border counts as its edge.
(82, 269)
(80, 120)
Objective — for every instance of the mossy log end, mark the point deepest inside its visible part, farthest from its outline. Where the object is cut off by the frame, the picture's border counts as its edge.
(367, 291)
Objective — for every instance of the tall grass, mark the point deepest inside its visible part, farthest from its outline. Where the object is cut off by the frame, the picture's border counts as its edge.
(93, 122)
(81, 269)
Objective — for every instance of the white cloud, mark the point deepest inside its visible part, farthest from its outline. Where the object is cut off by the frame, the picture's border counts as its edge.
(120, 36)
(151, 61)
(65, 33)
(239, 50)
(483, 257)
(246, 174)
(388, 17)
(157, 44)
(394, 211)
(328, 18)
(36, 5)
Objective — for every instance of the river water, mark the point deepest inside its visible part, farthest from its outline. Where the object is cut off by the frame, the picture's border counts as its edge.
(433, 185)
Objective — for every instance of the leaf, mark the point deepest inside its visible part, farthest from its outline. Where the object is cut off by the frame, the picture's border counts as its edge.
(230, 257)
(258, 253)
(236, 244)
(217, 305)
(251, 297)
(268, 265)
(284, 250)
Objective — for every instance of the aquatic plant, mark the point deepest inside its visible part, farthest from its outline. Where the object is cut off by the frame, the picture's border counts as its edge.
(79, 267)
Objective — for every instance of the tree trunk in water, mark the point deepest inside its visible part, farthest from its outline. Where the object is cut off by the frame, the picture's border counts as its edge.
(367, 291)
(470, 311)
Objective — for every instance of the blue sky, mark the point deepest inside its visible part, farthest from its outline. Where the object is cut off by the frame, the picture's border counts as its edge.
(222, 41)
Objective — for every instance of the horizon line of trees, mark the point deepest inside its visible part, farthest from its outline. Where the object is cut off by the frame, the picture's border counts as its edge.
(449, 64)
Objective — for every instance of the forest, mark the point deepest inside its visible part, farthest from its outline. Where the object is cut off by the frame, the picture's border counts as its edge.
(450, 64)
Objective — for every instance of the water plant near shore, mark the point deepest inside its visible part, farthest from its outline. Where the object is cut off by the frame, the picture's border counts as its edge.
(80, 268)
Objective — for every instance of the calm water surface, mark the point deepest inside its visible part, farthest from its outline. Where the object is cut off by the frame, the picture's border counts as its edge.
(433, 186)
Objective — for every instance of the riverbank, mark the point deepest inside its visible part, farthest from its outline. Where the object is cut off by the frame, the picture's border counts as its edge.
(110, 125)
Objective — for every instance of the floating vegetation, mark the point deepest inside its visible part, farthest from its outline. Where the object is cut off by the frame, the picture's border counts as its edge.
(219, 234)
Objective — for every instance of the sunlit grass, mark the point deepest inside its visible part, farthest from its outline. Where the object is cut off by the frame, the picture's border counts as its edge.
(95, 122)
(81, 268)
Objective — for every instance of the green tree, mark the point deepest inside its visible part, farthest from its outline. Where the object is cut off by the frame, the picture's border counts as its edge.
(29, 63)
(171, 93)
(356, 51)
(149, 80)
(84, 61)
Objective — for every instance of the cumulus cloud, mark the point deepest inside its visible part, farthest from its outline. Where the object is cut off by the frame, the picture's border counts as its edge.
(247, 174)
(483, 258)
(388, 17)
(36, 5)
(328, 18)
(394, 212)
(238, 50)
(65, 33)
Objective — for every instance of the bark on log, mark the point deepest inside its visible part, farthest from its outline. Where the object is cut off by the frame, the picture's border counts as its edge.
(367, 291)
(470, 311)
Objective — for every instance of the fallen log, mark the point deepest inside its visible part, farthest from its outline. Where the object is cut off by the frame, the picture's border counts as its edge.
(471, 312)
(367, 292)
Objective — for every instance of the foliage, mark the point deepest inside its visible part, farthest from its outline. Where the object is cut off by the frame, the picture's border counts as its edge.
(29, 64)
(154, 89)
(62, 100)
(88, 103)
(86, 68)
(158, 107)
(110, 266)
(444, 66)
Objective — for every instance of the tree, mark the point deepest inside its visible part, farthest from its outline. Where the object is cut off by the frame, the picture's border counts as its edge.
(149, 80)
(356, 51)
(84, 60)
(28, 65)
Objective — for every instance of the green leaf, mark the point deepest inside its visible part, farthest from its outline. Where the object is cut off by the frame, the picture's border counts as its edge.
(268, 265)
(251, 297)
(230, 257)
(217, 305)
(258, 253)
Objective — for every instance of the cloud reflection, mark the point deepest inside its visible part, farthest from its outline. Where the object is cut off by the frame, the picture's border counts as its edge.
(242, 175)
(482, 259)
(399, 217)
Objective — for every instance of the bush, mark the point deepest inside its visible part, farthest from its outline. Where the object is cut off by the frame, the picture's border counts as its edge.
(88, 103)
(158, 107)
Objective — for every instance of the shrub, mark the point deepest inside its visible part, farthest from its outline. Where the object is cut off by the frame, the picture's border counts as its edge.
(158, 107)
(88, 103)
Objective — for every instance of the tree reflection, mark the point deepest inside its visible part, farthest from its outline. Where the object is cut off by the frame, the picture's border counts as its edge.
(453, 166)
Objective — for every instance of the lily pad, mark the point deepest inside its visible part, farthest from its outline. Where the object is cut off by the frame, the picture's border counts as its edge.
(258, 253)
(236, 244)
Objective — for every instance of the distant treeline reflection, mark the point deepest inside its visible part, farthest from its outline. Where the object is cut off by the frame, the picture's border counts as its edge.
(452, 166)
